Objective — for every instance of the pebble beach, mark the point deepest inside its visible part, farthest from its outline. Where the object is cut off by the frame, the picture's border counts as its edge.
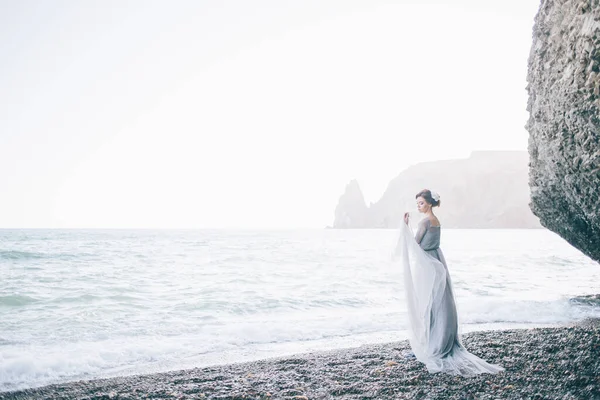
(541, 363)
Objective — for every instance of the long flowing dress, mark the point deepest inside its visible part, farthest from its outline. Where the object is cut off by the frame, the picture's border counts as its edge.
(431, 307)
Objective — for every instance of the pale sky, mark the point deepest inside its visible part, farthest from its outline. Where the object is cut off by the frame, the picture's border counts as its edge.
(244, 114)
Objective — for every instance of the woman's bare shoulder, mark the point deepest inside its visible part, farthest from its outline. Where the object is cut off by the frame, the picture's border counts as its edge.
(434, 221)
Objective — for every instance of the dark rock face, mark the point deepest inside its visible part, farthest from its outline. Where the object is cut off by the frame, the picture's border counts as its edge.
(564, 124)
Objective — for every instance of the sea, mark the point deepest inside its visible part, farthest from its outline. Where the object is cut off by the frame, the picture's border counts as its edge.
(85, 304)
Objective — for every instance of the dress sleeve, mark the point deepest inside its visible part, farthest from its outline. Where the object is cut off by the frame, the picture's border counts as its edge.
(421, 231)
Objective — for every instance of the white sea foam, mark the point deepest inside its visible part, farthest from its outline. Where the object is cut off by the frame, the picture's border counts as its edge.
(86, 304)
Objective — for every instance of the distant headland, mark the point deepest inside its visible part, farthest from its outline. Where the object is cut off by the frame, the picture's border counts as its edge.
(487, 190)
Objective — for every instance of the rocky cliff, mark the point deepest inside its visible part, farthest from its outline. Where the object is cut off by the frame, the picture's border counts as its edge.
(351, 211)
(564, 125)
(487, 190)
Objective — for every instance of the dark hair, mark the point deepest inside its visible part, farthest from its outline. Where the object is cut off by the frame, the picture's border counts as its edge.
(426, 194)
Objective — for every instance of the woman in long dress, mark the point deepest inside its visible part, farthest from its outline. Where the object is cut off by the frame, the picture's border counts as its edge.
(431, 307)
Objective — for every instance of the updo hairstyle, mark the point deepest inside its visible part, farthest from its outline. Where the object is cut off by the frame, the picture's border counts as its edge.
(426, 194)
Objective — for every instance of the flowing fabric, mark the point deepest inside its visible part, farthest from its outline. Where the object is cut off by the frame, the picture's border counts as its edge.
(433, 333)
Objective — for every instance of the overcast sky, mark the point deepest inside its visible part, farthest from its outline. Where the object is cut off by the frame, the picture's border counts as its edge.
(252, 114)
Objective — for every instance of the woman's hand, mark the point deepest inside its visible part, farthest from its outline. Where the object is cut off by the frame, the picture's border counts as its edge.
(406, 218)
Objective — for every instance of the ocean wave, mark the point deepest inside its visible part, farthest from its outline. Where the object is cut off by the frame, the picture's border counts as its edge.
(489, 311)
(16, 300)
(589, 300)
(42, 364)
(20, 255)
(81, 299)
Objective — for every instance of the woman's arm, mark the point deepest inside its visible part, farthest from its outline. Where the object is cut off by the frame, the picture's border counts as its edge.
(421, 231)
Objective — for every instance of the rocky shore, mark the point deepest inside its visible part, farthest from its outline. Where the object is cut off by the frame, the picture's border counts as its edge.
(541, 363)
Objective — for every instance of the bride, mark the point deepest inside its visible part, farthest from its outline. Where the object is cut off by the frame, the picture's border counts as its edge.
(431, 308)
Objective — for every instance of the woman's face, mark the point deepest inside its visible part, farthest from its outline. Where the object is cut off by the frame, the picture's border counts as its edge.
(422, 205)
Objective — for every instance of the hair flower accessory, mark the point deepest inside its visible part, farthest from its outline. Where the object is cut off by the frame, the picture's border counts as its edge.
(435, 196)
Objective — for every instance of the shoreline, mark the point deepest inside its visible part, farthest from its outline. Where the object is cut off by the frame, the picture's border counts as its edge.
(541, 363)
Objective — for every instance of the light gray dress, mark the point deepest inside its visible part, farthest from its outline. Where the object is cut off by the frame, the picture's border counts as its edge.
(431, 310)
(445, 326)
